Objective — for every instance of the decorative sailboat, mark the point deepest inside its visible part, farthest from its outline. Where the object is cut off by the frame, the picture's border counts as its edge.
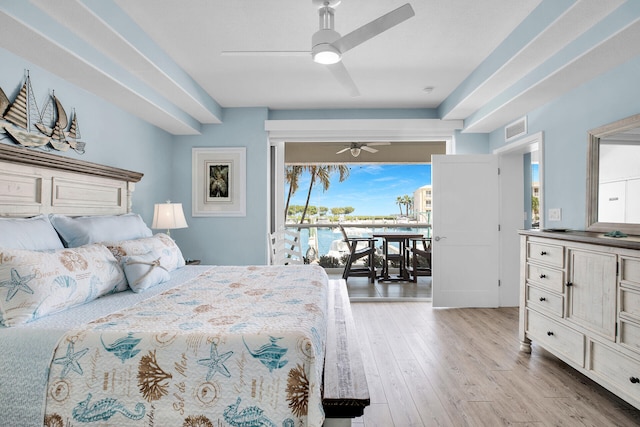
(73, 135)
(58, 138)
(4, 103)
(49, 126)
(54, 124)
(17, 117)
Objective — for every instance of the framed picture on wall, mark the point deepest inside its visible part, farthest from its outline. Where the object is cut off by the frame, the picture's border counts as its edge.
(219, 181)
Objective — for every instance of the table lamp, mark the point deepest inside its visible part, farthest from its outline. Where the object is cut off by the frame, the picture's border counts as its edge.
(168, 215)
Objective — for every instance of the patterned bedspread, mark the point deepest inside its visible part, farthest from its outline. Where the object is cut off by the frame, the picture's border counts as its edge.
(236, 346)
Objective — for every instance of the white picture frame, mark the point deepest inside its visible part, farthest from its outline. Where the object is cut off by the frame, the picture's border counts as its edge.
(219, 181)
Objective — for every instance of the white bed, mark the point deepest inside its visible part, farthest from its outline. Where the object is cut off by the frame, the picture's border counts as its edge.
(196, 345)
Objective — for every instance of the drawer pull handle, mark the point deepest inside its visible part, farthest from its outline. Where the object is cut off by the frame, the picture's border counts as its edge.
(634, 380)
(542, 276)
(543, 253)
(549, 333)
(543, 299)
(569, 284)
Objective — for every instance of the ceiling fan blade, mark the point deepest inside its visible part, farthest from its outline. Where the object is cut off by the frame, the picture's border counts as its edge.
(373, 28)
(378, 143)
(341, 74)
(265, 53)
(369, 149)
(343, 150)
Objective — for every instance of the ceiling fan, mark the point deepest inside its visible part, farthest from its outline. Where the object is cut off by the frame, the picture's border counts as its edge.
(327, 46)
(357, 147)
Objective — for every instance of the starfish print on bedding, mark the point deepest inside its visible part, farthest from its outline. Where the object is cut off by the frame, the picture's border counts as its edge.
(17, 283)
(70, 360)
(216, 362)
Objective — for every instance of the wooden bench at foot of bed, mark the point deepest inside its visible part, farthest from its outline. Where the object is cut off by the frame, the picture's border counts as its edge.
(345, 393)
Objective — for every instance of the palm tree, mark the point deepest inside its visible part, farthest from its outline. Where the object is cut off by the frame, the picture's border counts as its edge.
(322, 173)
(292, 176)
(399, 203)
(407, 201)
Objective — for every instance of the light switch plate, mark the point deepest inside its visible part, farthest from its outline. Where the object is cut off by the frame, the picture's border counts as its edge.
(555, 214)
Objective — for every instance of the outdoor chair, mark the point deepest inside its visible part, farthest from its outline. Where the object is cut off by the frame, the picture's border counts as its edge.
(358, 252)
(418, 257)
(284, 247)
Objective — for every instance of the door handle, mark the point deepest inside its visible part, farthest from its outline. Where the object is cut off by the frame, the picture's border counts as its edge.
(438, 238)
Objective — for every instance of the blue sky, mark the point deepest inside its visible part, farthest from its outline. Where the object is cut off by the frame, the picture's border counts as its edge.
(370, 189)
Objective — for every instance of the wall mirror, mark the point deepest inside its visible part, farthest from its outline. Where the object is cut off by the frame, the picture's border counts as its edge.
(613, 177)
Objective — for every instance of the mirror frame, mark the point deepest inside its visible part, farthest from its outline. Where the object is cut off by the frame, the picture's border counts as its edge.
(593, 172)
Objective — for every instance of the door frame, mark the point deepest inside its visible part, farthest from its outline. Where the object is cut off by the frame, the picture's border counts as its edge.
(318, 131)
(511, 199)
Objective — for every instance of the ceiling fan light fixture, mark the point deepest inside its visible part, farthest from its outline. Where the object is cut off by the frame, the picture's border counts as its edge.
(325, 54)
(322, 50)
(355, 151)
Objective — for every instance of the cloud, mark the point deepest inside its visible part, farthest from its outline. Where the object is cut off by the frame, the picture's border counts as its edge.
(367, 169)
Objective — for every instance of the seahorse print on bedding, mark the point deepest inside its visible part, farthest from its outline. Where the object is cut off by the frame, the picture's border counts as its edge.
(104, 409)
(251, 416)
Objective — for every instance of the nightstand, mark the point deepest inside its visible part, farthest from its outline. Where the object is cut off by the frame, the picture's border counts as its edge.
(192, 262)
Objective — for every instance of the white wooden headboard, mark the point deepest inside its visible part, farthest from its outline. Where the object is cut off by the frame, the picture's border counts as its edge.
(34, 182)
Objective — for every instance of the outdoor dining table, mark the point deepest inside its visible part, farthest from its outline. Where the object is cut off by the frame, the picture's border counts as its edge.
(401, 238)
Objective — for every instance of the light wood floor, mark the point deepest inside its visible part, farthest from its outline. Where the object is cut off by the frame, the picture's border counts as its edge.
(462, 367)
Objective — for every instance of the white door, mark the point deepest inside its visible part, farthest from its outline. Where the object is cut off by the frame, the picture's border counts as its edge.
(465, 231)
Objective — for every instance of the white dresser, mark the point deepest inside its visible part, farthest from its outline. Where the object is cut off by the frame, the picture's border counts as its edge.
(580, 300)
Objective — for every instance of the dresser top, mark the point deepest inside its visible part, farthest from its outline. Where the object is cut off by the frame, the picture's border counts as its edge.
(630, 242)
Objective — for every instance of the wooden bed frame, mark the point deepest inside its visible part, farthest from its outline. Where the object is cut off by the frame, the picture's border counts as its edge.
(34, 182)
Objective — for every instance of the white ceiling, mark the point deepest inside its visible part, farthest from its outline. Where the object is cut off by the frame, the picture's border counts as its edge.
(438, 47)
(163, 59)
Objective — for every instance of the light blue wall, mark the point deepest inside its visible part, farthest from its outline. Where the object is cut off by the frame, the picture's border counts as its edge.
(226, 240)
(565, 122)
(471, 143)
(113, 137)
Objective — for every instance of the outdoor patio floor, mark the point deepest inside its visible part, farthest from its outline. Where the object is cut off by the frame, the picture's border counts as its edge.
(360, 289)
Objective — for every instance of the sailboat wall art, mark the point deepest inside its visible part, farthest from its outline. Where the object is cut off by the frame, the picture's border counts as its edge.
(25, 124)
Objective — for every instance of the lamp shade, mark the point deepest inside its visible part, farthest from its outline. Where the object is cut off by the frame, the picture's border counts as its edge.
(169, 216)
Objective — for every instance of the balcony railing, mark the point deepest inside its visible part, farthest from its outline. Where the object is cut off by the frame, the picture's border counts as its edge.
(323, 243)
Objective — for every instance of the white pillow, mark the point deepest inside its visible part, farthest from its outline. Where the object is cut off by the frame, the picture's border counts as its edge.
(84, 230)
(34, 234)
(34, 284)
(160, 243)
(145, 271)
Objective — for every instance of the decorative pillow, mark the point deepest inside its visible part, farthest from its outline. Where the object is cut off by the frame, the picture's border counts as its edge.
(84, 230)
(161, 243)
(145, 271)
(34, 234)
(34, 284)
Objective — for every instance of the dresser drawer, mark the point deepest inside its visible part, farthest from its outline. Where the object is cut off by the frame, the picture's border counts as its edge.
(615, 368)
(544, 300)
(630, 335)
(547, 277)
(556, 337)
(546, 253)
(630, 303)
(630, 270)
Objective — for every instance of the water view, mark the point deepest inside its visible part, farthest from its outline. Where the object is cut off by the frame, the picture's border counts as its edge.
(328, 239)
(365, 199)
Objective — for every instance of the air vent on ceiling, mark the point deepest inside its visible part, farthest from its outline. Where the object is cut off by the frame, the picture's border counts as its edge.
(515, 129)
